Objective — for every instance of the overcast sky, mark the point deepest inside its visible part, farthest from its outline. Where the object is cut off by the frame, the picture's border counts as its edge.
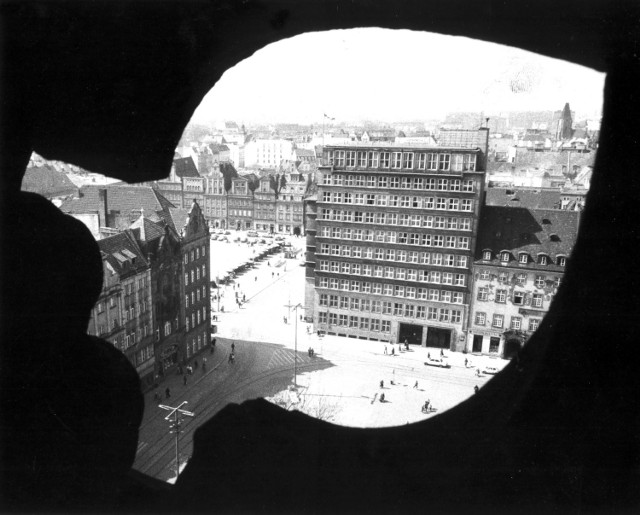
(394, 75)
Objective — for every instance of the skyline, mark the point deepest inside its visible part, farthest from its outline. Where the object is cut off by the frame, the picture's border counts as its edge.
(388, 75)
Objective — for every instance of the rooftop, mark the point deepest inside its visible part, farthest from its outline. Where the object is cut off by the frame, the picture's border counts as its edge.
(532, 231)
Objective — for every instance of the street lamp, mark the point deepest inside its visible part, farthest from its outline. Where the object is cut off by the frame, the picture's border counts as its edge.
(175, 427)
(295, 344)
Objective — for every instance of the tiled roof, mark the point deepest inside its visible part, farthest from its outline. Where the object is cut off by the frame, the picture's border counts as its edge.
(530, 198)
(149, 229)
(185, 167)
(47, 181)
(304, 152)
(123, 253)
(533, 231)
(218, 147)
(124, 198)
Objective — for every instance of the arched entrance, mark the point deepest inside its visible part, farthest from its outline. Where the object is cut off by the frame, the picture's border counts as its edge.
(511, 347)
(296, 231)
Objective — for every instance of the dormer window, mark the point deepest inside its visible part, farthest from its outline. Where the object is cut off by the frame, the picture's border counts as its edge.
(524, 258)
(543, 260)
(504, 257)
(562, 261)
(486, 255)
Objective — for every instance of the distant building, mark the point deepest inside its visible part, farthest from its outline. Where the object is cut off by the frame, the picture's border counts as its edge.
(268, 153)
(520, 259)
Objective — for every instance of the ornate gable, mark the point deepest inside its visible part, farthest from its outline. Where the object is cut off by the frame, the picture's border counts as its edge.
(196, 224)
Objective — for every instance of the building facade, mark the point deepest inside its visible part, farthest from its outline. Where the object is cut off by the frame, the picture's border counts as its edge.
(391, 240)
(520, 261)
(123, 314)
(195, 287)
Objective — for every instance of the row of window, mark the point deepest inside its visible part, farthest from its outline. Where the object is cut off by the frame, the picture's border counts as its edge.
(400, 256)
(190, 257)
(519, 298)
(524, 258)
(403, 238)
(143, 355)
(498, 321)
(404, 201)
(388, 289)
(375, 306)
(435, 161)
(391, 290)
(195, 296)
(390, 272)
(134, 310)
(450, 223)
(196, 318)
(196, 344)
(195, 275)
(451, 316)
(520, 278)
(384, 182)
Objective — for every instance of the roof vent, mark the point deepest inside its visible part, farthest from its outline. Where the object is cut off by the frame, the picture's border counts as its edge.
(554, 237)
(546, 221)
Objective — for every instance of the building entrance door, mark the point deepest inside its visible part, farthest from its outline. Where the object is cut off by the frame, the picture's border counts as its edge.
(477, 343)
(410, 332)
(438, 337)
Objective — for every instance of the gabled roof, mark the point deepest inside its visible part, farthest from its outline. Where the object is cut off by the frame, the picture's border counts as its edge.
(530, 198)
(47, 181)
(122, 253)
(304, 152)
(533, 231)
(218, 147)
(185, 167)
(149, 229)
(125, 198)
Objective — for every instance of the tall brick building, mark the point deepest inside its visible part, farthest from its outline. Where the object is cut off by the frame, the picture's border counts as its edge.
(391, 239)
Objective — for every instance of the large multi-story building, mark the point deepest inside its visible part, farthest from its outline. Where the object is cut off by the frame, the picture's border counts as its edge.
(520, 259)
(391, 239)
(195, 287)
(123, 313)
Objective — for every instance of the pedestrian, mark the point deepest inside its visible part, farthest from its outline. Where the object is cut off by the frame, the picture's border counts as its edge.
(189, 369)
(231, 358)
(393, 350)
(406, 345)
(271, 275)
(233, 346)
(385, 349)
(255, 278)
(416, 385)
(381, 384)
(204, 364)
(167, 393)
(195, 364)
(441, 353)
(476, 389)
(382, 397)
(428, 355)
(477, 372)
(466, 361)
(301, 318)
(156, 396)
(244, 298)
(184, 380)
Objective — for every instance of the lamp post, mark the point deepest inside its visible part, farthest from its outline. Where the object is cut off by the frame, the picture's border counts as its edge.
(295, 344)
(177, 414)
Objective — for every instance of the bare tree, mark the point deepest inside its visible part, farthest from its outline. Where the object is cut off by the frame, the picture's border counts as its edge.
(316, 406)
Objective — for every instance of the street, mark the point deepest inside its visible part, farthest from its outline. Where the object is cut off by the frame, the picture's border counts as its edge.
(340, 383)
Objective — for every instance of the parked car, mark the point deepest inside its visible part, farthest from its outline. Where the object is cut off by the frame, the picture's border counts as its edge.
(490, 370)
(252, 234)
(437, 362)
(214, 236)
(227, 233)
(279, 238)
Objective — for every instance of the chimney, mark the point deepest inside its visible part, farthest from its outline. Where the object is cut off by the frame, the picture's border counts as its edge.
(103, 220)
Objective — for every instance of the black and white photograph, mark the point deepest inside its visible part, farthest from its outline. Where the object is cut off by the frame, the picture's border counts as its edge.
(319, 257)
